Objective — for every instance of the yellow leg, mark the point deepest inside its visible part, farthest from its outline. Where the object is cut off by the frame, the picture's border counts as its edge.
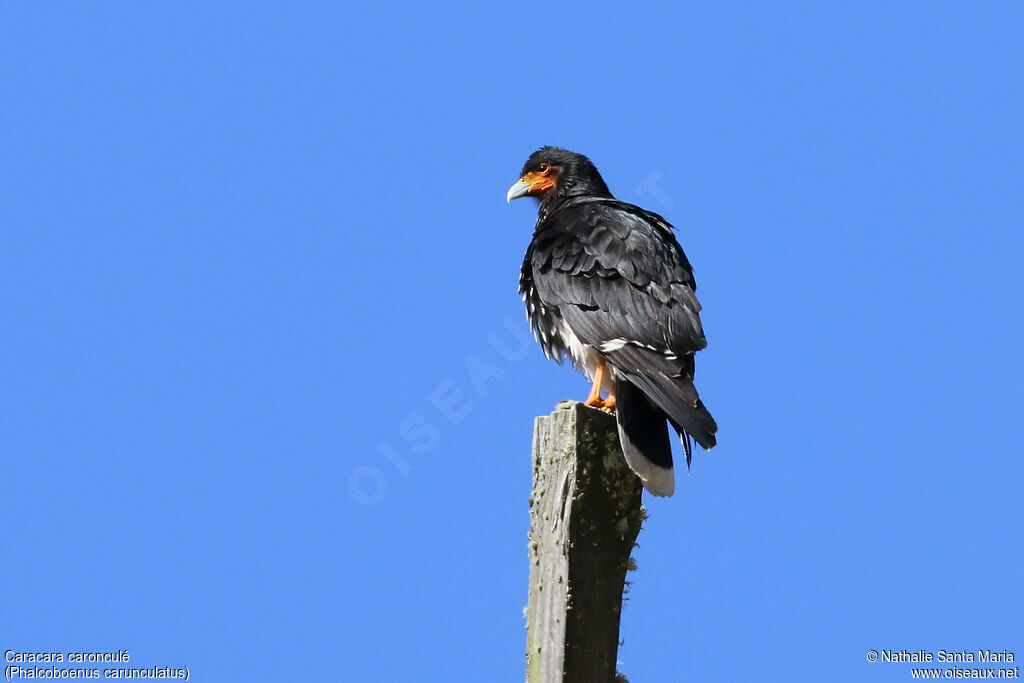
(594, 400)
(609, 403)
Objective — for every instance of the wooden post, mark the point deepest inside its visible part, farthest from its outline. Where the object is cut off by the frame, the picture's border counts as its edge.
(585, 515)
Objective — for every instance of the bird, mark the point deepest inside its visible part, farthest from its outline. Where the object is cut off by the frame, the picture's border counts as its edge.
(607, 284)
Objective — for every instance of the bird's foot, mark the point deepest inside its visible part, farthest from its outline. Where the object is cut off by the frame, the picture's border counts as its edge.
(605, 404)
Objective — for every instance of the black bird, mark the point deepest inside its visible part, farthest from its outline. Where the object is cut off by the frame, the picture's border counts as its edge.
(607, 284)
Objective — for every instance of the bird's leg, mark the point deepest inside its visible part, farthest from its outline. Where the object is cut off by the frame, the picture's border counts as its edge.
(609, 403)
(594, 399)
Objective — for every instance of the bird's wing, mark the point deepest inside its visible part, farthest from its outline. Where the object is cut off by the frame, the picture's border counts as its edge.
(620, 280)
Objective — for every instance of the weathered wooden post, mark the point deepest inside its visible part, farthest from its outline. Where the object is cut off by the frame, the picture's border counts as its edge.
(585, 515)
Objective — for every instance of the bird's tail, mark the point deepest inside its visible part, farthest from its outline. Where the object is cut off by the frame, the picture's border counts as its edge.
(678, 399)
(643, 433)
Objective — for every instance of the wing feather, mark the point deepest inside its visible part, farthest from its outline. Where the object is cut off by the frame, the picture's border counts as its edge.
(616, 272)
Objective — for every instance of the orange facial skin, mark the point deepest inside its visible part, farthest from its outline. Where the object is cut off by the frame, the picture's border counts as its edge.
(540, 181)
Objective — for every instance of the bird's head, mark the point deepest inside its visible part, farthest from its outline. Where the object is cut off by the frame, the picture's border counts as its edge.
(551, 172)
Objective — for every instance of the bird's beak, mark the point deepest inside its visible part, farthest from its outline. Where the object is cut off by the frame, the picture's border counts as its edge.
(520, 189)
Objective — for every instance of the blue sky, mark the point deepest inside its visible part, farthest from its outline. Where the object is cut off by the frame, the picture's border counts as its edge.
(267, 400)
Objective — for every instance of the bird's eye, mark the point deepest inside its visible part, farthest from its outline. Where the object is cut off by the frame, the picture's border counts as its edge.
(543, 168)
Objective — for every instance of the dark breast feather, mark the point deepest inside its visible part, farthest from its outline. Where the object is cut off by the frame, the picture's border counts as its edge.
(543, 320)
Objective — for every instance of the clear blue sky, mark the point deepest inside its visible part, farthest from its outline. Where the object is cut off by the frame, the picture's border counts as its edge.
(266, 405)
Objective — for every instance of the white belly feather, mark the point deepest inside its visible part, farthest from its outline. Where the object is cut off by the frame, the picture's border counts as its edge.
(583, 356)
